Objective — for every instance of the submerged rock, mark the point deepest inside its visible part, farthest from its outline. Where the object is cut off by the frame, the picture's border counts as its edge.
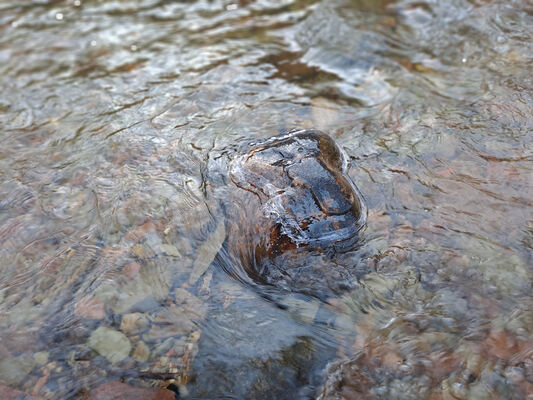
(112, 344)
(291, 209)
(14, 369)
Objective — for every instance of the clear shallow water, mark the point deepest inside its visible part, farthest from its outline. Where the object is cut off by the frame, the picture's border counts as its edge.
(109, 115)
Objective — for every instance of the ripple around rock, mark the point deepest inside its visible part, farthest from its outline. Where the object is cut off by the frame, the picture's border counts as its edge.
(110, 343)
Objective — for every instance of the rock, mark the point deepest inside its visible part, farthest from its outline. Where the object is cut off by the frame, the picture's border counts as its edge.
(122, 391)
(207, 252)
(14, 369)
(146, 305)
(151, 284)
(141, 352)
(170, 250)
(90, 308)
(132, 269)
(7, 393)
(41, 357)
(111, 344)
(140, 251)
(134, 323)
(163, 347)
(291, 207)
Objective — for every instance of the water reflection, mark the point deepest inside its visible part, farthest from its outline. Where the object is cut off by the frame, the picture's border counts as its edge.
(109, 114)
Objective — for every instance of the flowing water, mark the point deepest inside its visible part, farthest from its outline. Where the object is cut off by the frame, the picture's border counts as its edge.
(110, 115)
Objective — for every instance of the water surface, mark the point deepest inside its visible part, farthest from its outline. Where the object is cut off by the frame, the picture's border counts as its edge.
(110, 112)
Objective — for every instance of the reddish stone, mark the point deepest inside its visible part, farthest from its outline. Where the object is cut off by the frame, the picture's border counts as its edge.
(141, 231)
(7, 393)
(122, 391)
(131, 270)
(90, 308)
(501, 344)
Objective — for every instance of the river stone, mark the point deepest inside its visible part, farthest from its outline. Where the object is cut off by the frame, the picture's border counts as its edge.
(291, 208)
(141, 352)
(111, 344)
(169, 249)
(134, 323)
(14, 370)
(41, 357)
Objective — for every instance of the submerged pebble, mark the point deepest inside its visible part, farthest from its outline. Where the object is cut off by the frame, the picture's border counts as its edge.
(112, 344)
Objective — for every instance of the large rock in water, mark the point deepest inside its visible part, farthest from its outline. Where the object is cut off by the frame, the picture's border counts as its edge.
(291, 209)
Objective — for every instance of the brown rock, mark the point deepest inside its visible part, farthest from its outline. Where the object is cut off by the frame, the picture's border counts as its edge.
(133, 323)
(131, 269)
(122, 391)
(141, 352)
(140, 251)
(141, 231)
(501, 344)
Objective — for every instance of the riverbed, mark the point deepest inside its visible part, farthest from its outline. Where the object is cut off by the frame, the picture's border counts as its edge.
(110, 114)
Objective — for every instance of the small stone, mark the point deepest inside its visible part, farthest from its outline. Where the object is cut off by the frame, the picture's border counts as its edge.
(14, 370)
(141, 231)
(195, 336)
(146, 305)
(90, 308)
(163, 347)
(459, 391)
(23, 312)
(41, 357)
(207, 252)
(184, 245)
(107, 292)
(111, 344)
(140, 251)
(141, 352)
(170, 250)
(132, 269)
(134, 323)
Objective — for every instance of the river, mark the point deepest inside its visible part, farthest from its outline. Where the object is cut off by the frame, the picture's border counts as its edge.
(110, 113)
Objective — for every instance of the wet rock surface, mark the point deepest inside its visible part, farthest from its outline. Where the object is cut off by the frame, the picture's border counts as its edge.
(290, 210)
